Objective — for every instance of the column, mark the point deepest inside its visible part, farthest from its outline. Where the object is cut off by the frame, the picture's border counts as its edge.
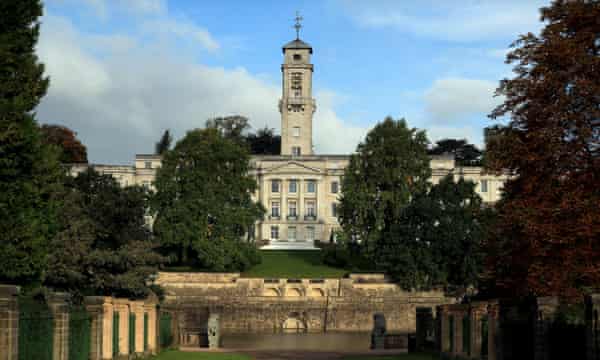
(150, 308)
(58, 304)
(107, 328)
(94, 306)
(478, 312)
(137, 307)
(9, 322)
(494, 335)
(458, 330)
(546, 310)
(122, 307)
(444, 329)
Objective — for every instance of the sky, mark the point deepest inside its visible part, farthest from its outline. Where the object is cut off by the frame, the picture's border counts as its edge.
(123, 71)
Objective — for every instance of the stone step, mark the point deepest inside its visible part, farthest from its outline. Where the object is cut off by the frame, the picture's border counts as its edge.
(290, 245)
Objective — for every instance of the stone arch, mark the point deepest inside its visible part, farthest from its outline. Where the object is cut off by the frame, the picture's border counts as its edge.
(271, 292)
(293, 292)
(317, 292)
(294, 324)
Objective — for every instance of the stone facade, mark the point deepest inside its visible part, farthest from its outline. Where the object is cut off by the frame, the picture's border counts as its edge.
(9, 322)
(253, 305)
(300, 190)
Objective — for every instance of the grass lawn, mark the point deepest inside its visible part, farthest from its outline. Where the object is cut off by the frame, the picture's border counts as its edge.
(293, 264)
(179, 355)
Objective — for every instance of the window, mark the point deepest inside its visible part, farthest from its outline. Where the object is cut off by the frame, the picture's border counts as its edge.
(484, 185)
(275, 209)
(292, 208)
(146, 184)
(311, 186)
(293, 188)
(334, 187)
(334, 209)
(310, 208)
(296, 150)
(274, 232)
(296, 131)
(148, 165)
(310, 233)
(274, 186)
(297, 57)
(292, 233)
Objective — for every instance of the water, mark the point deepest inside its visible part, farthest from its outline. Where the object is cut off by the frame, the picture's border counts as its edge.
(331, 341)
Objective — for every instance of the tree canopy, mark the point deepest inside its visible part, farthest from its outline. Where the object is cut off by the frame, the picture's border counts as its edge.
(465, 154)
(65, 139)
(103, 246)
(547, 240)
(203, 202)
(264, 142)
(30, 173)
(389, 168)
(164, 144)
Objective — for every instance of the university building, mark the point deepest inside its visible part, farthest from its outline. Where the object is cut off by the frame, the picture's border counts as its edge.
(300, 189)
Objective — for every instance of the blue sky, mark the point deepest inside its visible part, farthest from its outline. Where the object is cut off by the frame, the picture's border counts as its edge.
(122, 71)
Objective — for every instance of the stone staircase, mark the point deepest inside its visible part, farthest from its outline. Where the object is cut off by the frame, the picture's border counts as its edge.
(290, 245)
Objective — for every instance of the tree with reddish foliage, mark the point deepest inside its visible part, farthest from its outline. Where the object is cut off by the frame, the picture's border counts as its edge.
(73, 151)
(547, 237)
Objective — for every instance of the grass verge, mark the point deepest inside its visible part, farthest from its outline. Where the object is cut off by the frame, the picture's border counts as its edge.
(293, 264)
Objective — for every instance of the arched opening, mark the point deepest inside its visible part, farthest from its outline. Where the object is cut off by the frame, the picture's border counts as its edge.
(293, 325)
(317, 293)
(293, 292)
(271, 292)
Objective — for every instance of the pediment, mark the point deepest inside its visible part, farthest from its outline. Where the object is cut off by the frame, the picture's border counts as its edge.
(293, 167)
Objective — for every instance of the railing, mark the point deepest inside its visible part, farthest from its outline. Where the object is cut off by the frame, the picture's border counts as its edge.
(310, 217)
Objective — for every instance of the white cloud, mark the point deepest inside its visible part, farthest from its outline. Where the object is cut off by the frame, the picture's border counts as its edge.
(119, 95)
(331, 135)
(460, 21)
(455, 98)
(182, 29)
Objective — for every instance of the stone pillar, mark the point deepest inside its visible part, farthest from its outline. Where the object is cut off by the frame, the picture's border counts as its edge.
(458, 329)
(107, 328)
(494, 335)
(59, 305)
(545, 313)
(94, 306)
(444, 329)
(122, 307)
(478, 312)
(9, 322)
(150, 308)
(592, 324)
(137, 307)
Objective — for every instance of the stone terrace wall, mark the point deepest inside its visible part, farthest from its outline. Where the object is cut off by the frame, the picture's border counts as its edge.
(263, 305)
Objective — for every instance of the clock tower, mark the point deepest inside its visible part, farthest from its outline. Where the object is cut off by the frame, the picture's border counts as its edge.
(297, 104)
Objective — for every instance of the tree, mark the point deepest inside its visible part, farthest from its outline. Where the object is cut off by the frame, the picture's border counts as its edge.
(264, 142)
(202, 202)
(103, 246)
(164, 144)
(30, 173)
(389, 169)
(547, 237)
(72, 150)
(232, 127)
(464, 153)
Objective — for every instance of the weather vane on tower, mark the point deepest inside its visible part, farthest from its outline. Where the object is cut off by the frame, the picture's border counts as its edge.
(297, 25)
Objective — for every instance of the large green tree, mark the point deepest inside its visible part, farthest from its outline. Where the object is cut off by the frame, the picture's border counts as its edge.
(29, 170)
(164, 144)
(103, 246)
(389, 169)
(438, 240)
(548, 235)
(203, 202)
